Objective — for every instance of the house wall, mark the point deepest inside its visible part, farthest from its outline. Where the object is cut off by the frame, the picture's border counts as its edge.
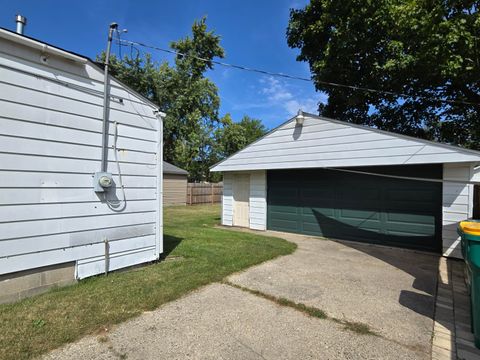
(174, 189)
(329, 143)
(457, 205)
(50, 146)
(22, 284)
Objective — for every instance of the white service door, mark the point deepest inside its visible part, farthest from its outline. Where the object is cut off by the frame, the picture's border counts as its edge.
(241, 198)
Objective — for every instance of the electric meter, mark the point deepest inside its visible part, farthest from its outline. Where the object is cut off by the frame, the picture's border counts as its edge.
(102, 181)
(105, 181)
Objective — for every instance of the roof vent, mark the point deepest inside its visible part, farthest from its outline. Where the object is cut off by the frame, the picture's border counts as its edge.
(21, 23)
(300, 117)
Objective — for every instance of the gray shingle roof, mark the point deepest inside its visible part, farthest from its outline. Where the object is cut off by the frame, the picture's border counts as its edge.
(172, 169)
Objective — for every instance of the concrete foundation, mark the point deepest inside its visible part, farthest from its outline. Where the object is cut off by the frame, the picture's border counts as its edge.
(27, 283)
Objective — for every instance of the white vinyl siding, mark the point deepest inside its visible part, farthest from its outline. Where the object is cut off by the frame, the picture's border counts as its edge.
(258, 200)
(457, 205)
(327, 143)
(50, 146)
(227, 199)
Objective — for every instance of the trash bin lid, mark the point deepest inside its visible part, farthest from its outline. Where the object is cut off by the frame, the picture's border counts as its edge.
(470, 227)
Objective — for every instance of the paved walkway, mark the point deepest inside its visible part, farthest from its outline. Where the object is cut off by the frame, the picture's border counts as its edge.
(390, 290)
(452, 336)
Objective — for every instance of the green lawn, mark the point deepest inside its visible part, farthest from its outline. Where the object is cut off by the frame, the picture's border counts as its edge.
(200, 254)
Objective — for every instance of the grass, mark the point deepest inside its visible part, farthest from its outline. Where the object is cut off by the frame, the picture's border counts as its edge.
(201, 254)
(356, 327)
(310, 311)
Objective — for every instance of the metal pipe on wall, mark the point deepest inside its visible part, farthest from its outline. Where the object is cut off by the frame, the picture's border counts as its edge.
(107, 255)
(113, 27)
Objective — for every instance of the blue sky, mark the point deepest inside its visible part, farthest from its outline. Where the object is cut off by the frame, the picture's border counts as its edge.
(252, 32)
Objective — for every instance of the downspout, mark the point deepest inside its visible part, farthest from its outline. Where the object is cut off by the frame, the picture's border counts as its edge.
(159, 243)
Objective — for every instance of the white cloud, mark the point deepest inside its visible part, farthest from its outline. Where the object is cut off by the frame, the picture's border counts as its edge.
(280, 94)
(226, 73)
(273, 99)
(307, 105)
(275, 90)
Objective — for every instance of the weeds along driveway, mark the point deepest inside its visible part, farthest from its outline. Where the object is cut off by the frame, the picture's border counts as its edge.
(223, 322)
(327, 300)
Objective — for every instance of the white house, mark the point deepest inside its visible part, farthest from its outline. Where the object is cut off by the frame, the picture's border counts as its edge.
(318, 176)
(54, 228)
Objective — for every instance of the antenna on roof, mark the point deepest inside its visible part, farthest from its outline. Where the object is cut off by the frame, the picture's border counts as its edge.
(21, 23)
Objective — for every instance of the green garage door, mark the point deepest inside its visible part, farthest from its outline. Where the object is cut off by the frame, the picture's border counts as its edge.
(366, 208)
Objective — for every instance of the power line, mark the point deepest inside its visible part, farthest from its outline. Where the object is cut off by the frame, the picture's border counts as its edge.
(442, 181)
(293, 77)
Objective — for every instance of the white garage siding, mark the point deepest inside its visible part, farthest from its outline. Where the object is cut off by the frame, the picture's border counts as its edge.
(258, 200)
(227, 199)
(457, 205)
(50, 146)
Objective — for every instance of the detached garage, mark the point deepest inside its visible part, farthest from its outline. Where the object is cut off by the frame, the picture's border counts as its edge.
(175, 182)
(324, 177)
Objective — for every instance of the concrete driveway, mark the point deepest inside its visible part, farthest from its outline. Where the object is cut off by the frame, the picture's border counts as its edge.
(391, 290)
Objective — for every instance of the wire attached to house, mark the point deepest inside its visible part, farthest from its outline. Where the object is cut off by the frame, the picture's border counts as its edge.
(115, 206)
(293, 77)
(414, 178)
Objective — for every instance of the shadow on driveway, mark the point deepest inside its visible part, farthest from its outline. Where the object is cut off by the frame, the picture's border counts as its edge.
(418, 302)
(390, 289)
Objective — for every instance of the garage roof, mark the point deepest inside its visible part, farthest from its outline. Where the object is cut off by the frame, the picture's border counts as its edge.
(324, 142)
(172, 169)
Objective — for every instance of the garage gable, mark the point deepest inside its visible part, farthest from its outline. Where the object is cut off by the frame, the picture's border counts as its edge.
(323, 142)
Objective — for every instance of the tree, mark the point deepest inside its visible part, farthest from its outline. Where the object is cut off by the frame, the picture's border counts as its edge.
(231, 137)
(140, 73)
(234, 136)
(413, 47)
(189, 100)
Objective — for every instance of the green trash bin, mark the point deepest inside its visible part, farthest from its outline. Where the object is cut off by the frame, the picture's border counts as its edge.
(470, 239)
